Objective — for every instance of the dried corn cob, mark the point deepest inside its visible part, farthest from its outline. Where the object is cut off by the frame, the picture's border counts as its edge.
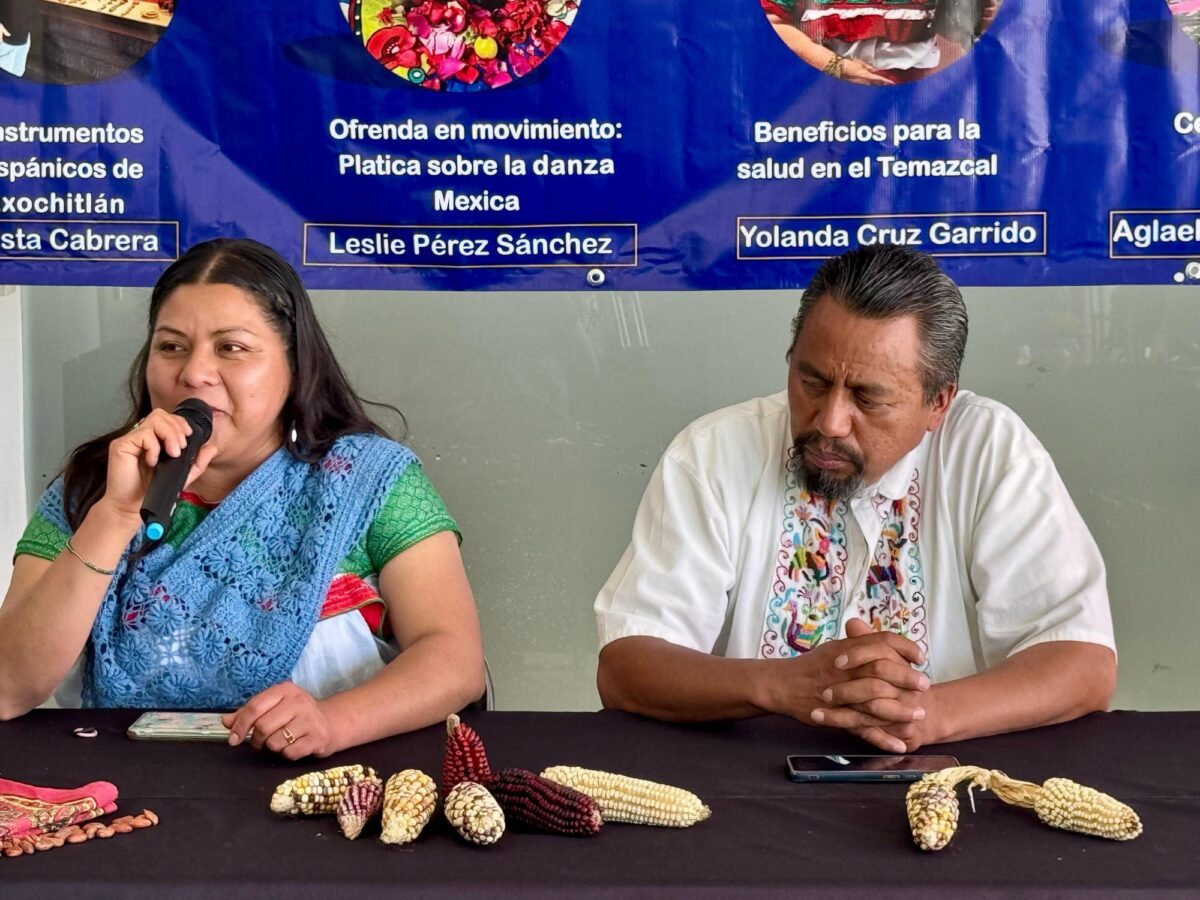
(538, 801)
(361, 803)
(1062, 803)
(465, 758)
(933, 808)
(474, 813)
(317, 793)
(932, 811)
(634, 800)
(408, 803)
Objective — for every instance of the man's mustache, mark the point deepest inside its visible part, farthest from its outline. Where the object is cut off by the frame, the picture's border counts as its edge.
(822, 446)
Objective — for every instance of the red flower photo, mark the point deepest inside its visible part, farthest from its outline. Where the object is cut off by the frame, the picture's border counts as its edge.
(461, 45)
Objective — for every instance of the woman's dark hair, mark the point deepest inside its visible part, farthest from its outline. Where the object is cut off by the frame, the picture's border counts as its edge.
(321, 406)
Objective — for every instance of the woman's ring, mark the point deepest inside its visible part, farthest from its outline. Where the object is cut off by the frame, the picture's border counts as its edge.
(288, 736)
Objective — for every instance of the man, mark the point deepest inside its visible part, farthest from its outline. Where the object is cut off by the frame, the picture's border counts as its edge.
(872, 550)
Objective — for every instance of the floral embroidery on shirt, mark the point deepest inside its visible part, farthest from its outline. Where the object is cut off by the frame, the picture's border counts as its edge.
(895, 588)
(807, 592)
(805, 605)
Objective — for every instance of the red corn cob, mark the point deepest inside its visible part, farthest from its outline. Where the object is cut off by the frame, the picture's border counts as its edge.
(534, 800)
(465, 758)
(362, 801)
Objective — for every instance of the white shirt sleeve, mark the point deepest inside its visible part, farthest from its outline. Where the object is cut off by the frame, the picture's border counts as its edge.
(673, 581)
(340, 654)
(1033, 564)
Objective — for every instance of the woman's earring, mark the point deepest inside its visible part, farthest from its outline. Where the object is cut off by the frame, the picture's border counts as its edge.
(292, 434)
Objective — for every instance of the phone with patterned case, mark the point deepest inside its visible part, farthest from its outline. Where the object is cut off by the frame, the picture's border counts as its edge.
(178, 726)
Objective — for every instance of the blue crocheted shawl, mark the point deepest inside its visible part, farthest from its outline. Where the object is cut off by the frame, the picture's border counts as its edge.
(227, 614)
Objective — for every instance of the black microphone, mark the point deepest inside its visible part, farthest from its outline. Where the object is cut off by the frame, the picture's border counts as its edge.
(170, 475)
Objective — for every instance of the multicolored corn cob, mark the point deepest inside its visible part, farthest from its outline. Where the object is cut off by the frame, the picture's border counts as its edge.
(529, 798)
(408, 803)
(317, 793)
(932, 812)
(362, 802)
(474, 813)
(622, 798)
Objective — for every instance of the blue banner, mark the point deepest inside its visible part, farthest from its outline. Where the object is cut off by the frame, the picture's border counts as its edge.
(561, 144)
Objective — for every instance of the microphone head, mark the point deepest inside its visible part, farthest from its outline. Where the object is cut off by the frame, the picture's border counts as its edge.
(199, 416)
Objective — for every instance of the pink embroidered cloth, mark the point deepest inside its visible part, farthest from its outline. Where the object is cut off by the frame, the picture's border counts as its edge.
(1184, 7)
(27, 810)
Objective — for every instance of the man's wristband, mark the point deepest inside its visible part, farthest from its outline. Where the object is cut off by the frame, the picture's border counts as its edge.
(95, 568)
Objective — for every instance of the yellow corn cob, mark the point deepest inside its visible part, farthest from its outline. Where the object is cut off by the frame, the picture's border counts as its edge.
(932, 812)
(317, 793)
(1065, 804)
(474, 813)
(625, 799)
(408, 803)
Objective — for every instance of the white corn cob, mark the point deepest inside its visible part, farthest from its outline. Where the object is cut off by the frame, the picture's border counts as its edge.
(408, 803)
(1063, 803)
(474, 813)
(622, 798)
(317, 793)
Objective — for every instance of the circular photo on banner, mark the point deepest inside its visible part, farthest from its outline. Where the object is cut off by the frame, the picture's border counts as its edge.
(460, 45)
(880, 42)
(78, 41)
(1187, 15)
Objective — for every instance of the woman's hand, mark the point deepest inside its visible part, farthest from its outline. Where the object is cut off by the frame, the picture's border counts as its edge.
(286, 719)
(133, 456)
(857, 72)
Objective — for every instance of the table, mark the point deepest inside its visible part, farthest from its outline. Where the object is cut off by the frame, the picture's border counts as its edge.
(767, 836)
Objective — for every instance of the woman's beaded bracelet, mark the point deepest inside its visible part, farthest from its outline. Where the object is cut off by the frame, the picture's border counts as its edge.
(95, 568)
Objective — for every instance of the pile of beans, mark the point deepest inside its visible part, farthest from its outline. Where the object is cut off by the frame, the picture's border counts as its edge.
(76, 834)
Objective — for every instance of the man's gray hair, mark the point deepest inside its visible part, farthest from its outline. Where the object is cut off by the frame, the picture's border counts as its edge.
(884, 281)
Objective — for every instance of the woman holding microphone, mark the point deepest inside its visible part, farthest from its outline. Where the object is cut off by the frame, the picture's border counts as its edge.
(310, 578)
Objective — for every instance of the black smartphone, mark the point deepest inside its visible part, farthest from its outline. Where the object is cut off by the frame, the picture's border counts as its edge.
(890, 767)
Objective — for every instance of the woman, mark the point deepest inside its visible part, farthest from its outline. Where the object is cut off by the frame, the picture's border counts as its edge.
(303, 535)
(879, 43)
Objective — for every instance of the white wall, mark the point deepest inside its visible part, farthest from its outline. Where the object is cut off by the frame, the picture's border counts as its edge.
(12, 432)
(541, 416)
